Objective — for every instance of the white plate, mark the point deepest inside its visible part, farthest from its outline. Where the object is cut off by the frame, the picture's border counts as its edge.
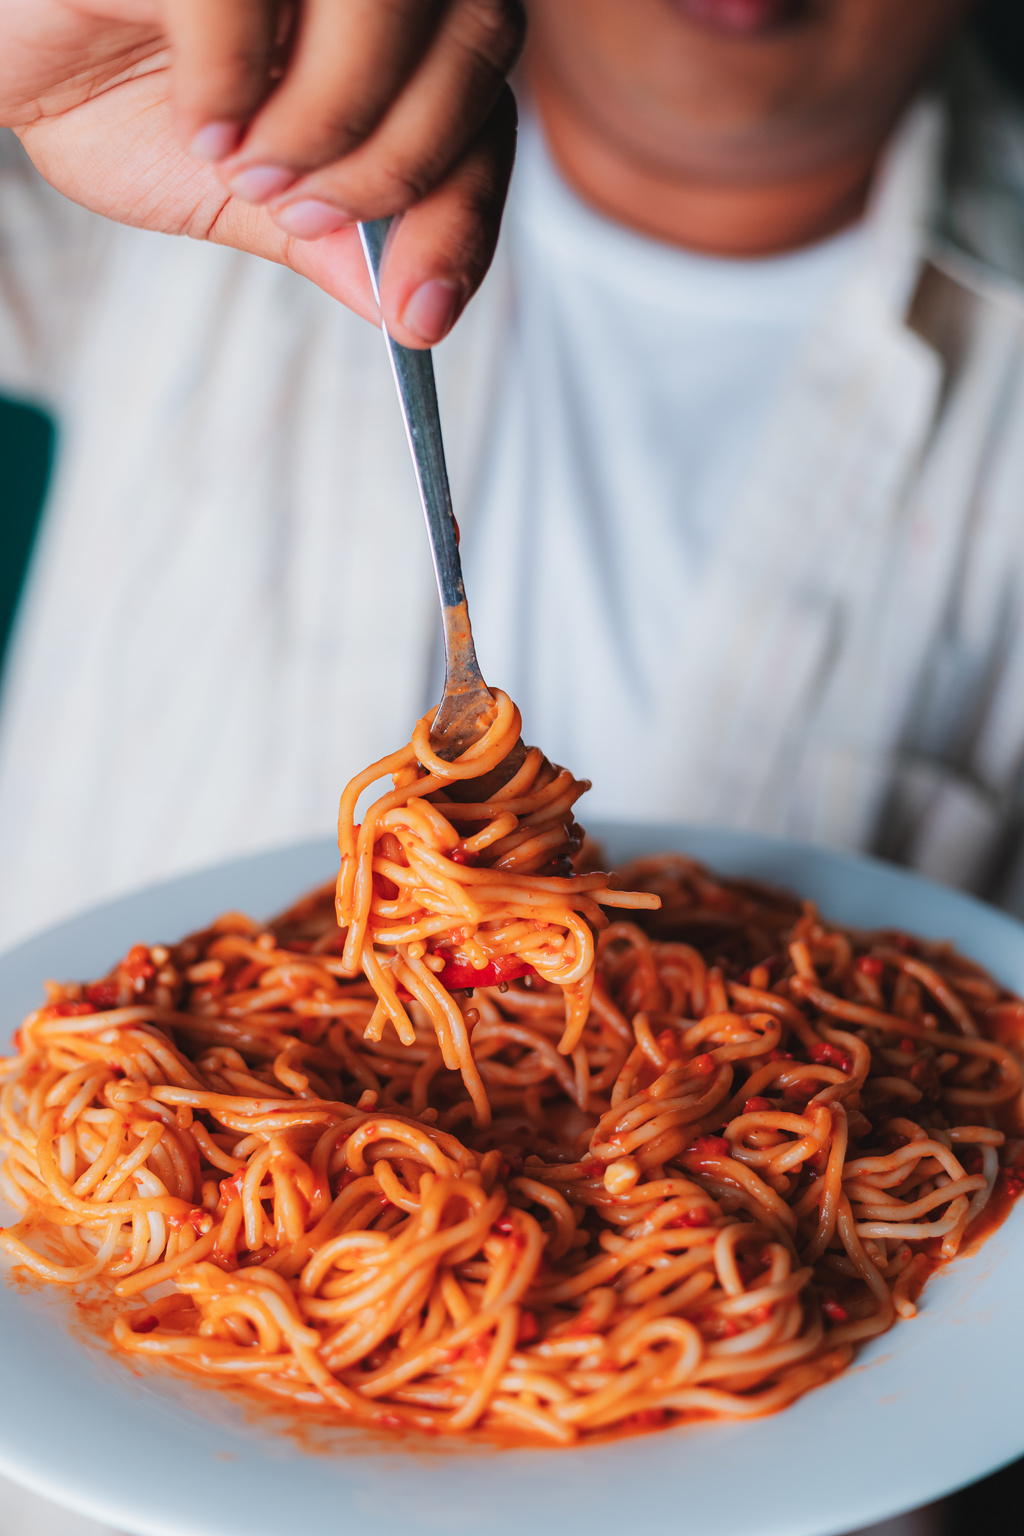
(928, 1407)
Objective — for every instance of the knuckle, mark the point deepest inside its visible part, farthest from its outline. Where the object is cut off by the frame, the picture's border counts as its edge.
(495, 30)
(344, 130)
(322, 138)
(239, 65)
(477, 193)
(404, 183)
(233, 80)
(378, 189)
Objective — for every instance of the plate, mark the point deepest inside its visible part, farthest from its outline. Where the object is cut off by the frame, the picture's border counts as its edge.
(924, 1409)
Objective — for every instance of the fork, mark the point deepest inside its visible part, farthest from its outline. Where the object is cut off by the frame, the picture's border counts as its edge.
(467, 707)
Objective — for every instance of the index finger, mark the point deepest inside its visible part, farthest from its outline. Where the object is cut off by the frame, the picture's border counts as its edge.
(222, 56)
(349, 60)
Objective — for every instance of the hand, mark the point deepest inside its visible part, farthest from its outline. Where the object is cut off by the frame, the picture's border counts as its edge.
(273, 125)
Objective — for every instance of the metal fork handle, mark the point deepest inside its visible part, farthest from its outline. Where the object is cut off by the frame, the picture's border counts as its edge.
(414, 377)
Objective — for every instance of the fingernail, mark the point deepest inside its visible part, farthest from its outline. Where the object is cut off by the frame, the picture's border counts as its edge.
(310, 219)
(258, 183)
(215, 142)
(432, 309)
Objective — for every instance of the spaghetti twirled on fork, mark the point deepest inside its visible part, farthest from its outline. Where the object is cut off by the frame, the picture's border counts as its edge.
(463, 893)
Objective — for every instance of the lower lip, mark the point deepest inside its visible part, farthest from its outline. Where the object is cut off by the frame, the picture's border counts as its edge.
(741, 18)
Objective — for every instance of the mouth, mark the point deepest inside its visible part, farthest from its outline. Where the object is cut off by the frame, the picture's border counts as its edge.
(740, 18)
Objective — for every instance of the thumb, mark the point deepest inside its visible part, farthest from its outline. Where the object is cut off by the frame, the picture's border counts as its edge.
(436, 259)
(334, 263)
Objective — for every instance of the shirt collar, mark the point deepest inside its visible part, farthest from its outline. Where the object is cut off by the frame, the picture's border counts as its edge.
(905, 204)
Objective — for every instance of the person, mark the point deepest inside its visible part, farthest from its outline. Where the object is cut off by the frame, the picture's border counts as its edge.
(731, 426)
(734, 423)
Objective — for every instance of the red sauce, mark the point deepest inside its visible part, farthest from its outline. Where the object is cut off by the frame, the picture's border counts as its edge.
(458, 976)
(231, 1188)
(104, 994)
(529, 1328)
(696, 1216)
(89, 1312)
(137, 963)
(827, 1055)
(1008, 1188)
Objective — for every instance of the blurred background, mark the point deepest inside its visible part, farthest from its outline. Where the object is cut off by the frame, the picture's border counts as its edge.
(28, 436)
(29, 440)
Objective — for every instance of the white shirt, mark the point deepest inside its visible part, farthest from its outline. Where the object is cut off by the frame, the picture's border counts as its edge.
(231, 610)
(636, 380)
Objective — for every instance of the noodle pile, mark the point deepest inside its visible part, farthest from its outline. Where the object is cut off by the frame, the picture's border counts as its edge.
(637, 1174)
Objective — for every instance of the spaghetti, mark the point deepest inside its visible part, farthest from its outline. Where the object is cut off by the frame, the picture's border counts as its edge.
(458, 895)
(744, 1159)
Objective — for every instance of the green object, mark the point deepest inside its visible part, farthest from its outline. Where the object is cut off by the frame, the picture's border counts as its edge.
(26, 454)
